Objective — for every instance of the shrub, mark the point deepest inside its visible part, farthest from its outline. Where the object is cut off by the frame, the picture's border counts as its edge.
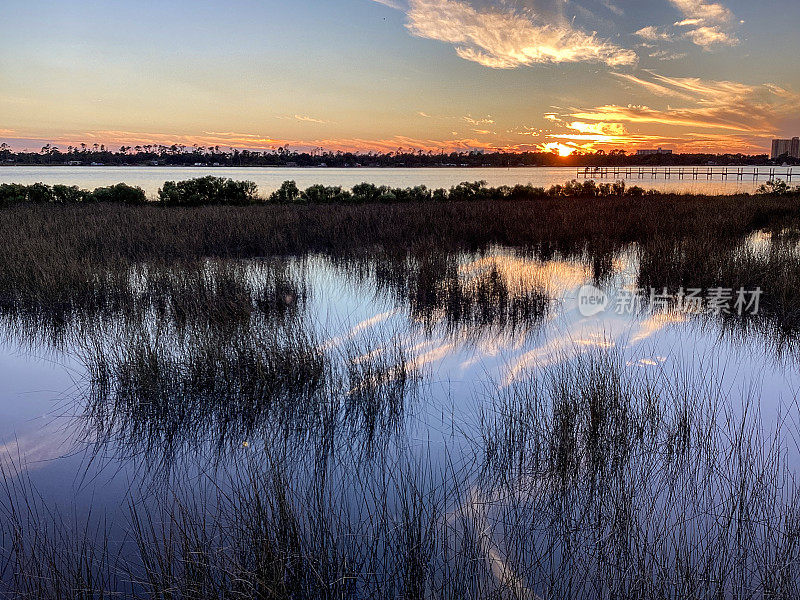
(635, 191)
(39, 193)
(777, 187)
(13, 193)
(208, 190)
(286, 194)
(526, 192)
(367, 192)
(69, 194)
(321, 194)
(468, 191)
(122, 193)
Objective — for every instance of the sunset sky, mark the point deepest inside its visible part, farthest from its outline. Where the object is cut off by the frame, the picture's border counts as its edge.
(691, 75)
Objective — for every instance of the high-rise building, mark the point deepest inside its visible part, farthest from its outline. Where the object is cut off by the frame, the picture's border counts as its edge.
(789, 148)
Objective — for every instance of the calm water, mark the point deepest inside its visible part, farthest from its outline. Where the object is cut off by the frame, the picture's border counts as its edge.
(443, 360)
(269, 179)
(462, 361)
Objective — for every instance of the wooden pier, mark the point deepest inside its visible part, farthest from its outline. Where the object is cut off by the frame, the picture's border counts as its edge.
(694, 173)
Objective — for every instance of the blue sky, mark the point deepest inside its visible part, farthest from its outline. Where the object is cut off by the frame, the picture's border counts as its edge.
(428, 74)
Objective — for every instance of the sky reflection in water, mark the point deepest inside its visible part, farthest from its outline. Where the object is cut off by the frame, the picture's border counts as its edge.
(460, 364)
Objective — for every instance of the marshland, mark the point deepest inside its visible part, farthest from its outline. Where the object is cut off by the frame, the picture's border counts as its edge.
(396, 392)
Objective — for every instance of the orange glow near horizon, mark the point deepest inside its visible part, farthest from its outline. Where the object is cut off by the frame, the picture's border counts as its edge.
(399, 76)
(562, 149)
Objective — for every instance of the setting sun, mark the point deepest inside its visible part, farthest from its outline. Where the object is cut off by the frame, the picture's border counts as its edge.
(561, 149)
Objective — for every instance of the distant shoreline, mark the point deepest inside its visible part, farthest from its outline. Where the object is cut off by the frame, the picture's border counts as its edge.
(211, 158)
(387, 167)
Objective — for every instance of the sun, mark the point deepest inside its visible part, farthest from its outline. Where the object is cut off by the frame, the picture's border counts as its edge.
(562, 149)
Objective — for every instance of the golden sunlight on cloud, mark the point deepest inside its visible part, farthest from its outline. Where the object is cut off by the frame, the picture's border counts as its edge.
(602, 129)
(509, 39)
(561, 149)
(718, 114)
(701, 11)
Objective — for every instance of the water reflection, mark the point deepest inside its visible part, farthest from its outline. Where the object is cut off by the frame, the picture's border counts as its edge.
(424, 424)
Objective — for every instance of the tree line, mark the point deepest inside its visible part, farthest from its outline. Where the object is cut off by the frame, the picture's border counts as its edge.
(181, 155)
(204, 191)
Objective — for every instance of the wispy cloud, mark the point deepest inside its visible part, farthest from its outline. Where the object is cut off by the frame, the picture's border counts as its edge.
(307, 119)
(664, 55)
(653, 33)
(390, 3)
(707, 37)
(304, 119)
(483, 121)
(702, 11)
(505, 39)
(612, 7)
(710, 23)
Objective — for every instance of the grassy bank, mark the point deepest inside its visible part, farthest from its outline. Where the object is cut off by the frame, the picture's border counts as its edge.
(104, 234)
(59, 259)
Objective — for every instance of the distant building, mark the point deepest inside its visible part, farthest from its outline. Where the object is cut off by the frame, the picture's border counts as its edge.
(789, 148)
(651, 152)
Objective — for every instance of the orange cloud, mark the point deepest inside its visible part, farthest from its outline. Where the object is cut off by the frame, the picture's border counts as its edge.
(719, 115)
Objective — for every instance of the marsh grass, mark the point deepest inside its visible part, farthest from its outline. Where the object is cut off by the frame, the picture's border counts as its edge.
(159, 394)
(707, 263)
(438, 293)
(592, 478)
(211, 294)
(634, 483)
(59, 260)
(51, 554)
(287, 474)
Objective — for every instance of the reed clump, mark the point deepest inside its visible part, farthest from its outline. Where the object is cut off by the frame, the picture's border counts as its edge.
(159, 394)
(635, 483)
(592, 477)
